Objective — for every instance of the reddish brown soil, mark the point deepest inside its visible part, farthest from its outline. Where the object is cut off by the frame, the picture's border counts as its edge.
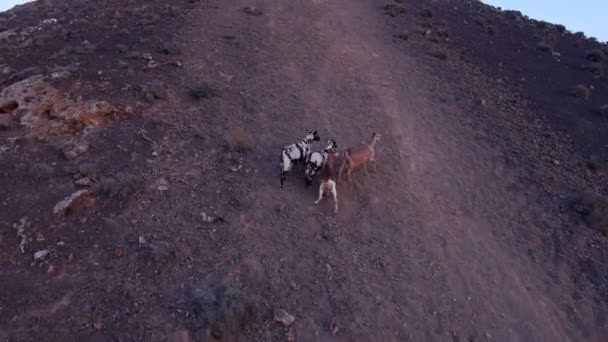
(464, 232)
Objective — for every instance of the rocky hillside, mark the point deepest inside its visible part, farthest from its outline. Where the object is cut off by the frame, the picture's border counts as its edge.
(139, 150)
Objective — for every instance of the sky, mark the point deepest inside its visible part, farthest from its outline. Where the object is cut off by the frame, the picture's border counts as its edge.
(589, 16)
(581, 15)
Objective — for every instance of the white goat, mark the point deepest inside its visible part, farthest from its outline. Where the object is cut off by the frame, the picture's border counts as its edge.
(295, 153)
(329, 178)
(316, 161)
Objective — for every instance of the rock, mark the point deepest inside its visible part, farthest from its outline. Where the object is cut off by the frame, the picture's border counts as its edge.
(483, 102)
(6, 122)
(44, 110)
(41, 171)
(284, 317)
(41, 255)
(75, 150)
(49, 21)
(159, 251)
(87, 46)
(20, 228)
(78, 198)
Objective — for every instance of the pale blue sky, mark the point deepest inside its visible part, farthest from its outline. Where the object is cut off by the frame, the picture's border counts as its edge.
(589, 16)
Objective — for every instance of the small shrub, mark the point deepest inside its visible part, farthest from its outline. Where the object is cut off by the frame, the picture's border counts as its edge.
(252, 10)
(596, 56)
(426, 13)
(582, 92)
(560, 28)
(541, 24)
(224, 313)
(120, 185)
(402, 37)
(513, 15)
(238, 140)
(604, 110)
(491, 29)
(594, 210)
(544, 47)
(441, 55)
(394, 10)
(596, 68)
(202, 91)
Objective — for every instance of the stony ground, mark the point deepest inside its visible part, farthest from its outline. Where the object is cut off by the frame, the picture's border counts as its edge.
(139, 193)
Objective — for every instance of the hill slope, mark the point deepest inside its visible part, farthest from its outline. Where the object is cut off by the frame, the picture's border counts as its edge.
(465, 231)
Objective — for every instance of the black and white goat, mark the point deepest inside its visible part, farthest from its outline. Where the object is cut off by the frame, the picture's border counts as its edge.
(315, 162)
(295, 153)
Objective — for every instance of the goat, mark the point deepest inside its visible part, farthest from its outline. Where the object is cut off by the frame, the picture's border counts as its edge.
(357, 155)
(294, 153)
(315, 162)
(328, 178)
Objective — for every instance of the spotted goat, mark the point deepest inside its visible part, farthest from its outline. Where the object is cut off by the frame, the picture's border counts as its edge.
(295, 153)
(315, 162)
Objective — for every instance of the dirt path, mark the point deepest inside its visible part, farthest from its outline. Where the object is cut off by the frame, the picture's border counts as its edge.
(415, 251)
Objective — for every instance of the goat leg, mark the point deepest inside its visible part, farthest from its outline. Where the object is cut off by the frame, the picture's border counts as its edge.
(334, 192)
(321, 192)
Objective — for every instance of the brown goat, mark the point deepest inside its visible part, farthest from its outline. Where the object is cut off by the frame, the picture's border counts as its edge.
(328, 178)
(359, 155)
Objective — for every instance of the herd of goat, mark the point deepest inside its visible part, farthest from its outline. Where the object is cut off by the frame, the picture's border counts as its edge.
(322, 162)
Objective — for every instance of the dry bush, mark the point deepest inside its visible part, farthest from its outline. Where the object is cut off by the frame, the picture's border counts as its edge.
(604, 110)
(544, 46)
(402, 36)
(594, 210)
(202, 91)
(238, 140)
(224, 313)
(441, 55)
(596, 56)
(426, 13)
(595, 68)
(394, 10)
(582, 92)
(560, 28)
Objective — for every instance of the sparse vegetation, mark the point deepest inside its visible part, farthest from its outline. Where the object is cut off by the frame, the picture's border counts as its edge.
(604, 110)
(239, 141)
(560, 28)
(441, 55)
(402, 37)
(582, 92)
(394, 9)
(225, 312)
(594, 210)
(202, 91)
(426, 13)
(544, 46)
(597, 56)
(252, 10)
(595, 68)
(491, 29)
(121, 185)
